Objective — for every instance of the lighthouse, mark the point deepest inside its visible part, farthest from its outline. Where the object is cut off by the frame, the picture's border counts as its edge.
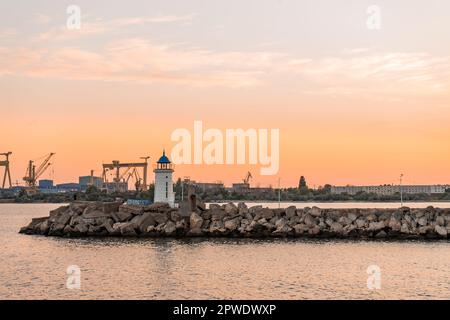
(163, 181)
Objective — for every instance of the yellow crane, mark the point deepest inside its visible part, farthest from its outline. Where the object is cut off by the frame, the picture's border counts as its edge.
(33, 173)
(5, 163)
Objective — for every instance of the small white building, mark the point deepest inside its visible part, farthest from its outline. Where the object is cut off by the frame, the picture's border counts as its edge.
(163, 181)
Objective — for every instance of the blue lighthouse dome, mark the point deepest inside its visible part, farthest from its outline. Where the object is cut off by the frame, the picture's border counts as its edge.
(164, 158)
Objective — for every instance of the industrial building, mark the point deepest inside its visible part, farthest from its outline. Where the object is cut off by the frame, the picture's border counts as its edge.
(46, 184)
(390, 189)
(85, 181)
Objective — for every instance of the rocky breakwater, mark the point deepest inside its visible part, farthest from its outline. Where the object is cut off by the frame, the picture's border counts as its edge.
(81, 219)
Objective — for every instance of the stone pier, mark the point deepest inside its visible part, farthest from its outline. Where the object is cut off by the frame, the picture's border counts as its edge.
(97, 219)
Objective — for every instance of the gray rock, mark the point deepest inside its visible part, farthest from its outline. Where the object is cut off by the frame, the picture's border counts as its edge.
(242, 208)
(216, 226)
(77, 207)
(315, 212)
(195, 221)
(375, 226)
(440, 231)
(422, 221)
(395, 224)
(381, 235)
(125, 228)
(352, 216)
(96, 214)
(361, 223)
(214, 206)
(121, 216)
(309, 220)
(109, 207)
(131, 209)
(291, 211)
(253, 210)
(169, 228)
(81, 228)
(230, 209)
(160, 217)
(217, 215)
(267, 213)
(232, 224)
(440, 221)
(315, 230)
(336, 227)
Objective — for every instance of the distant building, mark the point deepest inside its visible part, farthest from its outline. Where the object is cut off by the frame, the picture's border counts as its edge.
(240, 187)
(68, 187)
(85, 181)
(390, 189)
(45, 184)
(208, 186)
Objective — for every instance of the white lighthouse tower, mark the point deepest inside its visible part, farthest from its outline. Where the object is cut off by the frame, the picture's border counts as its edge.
(163, 181)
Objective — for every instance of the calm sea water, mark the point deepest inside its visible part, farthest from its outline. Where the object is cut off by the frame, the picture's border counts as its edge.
(34, 267)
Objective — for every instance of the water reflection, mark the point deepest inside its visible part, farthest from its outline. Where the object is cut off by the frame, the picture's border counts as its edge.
(34, 267)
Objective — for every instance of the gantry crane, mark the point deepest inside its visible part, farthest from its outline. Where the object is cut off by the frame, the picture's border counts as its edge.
(33, 173)
(118, 177)
(5, 163)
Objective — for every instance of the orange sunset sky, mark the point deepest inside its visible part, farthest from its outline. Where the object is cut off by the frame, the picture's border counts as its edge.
(353, 105)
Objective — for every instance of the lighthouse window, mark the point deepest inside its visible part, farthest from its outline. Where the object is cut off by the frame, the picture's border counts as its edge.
(167, 189)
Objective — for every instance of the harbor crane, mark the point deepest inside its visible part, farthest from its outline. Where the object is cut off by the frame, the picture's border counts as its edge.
(118, 177)
(33, 173)
(5, 163)
(247, 178)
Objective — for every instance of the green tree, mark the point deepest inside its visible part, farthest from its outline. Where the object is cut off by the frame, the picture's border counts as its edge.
(302, 183)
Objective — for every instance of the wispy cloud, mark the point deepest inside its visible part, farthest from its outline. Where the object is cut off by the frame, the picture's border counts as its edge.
(7, 33)
(98, 26)
(142, 61)
(41, 18)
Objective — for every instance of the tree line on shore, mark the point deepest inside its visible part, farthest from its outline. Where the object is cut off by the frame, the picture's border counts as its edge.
(300, 193)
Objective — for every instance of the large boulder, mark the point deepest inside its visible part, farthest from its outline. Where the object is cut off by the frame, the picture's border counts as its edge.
(315, 212)
(230, 209)
(242, 208)
(441, 231)
(232, 224)
(291, 211)
(217, 214)
(217, 226)
(109, 207)
(376, 226)
(126, 229)
(309, 220)
(440, 221)
(77, 207)
(336, 227)
(145, 220)
(32, 227)
(131, 209)
(169, 228)
(157, 207)
(254, 209)
(195, 221)
(121, 216)
(267, 213)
